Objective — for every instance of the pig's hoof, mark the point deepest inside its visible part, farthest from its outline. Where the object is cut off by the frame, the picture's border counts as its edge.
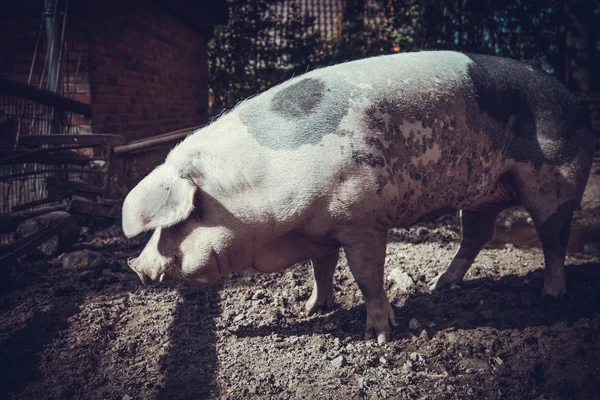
(318, 303)
(442, 281)
(554, 288)
(381, 328)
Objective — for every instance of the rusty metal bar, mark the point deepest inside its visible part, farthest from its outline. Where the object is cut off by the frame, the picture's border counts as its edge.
(148, 144)
(43, 96)
(42, 157)
(95, 140)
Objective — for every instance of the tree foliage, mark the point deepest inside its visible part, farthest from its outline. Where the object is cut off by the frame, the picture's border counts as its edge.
(246, 58)
(258, 48)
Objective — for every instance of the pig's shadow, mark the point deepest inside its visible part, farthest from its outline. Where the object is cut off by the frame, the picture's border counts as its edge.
(20, 352)
(191, 360)
(512, 302)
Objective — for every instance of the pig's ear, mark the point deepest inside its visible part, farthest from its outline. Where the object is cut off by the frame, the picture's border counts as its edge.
(161, 199)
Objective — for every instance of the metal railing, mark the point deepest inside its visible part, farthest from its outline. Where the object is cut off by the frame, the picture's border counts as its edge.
(27, 111)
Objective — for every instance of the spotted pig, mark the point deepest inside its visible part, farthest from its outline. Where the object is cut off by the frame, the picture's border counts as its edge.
(336, 157)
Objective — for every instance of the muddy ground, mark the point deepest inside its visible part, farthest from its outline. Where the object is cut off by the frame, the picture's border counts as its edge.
(97, 333)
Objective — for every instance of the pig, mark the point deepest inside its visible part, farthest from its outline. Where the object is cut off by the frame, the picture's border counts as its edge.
(336, 157)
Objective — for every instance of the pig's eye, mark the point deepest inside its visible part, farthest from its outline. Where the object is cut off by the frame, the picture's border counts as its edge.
(198, 204)
(175, 260)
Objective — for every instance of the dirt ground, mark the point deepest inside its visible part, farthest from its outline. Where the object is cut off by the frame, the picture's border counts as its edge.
(97, 333)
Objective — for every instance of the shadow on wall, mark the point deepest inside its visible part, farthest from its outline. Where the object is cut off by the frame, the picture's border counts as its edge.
(190, 364)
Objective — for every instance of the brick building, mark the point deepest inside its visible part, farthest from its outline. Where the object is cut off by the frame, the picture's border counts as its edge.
(142, 65)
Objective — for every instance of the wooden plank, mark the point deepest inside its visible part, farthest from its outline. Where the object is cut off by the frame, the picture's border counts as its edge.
(9, 157)
(37, 203)
(92, 140)
(90, 208)
(16, 249)
(42, 96)
(111, 202)
(51, 171)
(57, 191)
(154, 141)
(10, 221)
(74, 187)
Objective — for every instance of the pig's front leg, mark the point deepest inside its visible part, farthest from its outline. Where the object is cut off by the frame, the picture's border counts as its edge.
(322, 294)
(366, 259)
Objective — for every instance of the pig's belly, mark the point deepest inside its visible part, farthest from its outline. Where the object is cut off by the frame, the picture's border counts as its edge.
(441, 190)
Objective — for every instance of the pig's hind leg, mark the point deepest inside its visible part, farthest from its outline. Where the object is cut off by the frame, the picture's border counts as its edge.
(554, 233)
(477, 229)
(551, 202)
(322, 294)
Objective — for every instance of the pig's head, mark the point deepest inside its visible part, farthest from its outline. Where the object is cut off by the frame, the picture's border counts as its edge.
(191, 240)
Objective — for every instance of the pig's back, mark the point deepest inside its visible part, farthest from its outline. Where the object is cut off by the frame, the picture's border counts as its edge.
(423, 130)
(303, 110)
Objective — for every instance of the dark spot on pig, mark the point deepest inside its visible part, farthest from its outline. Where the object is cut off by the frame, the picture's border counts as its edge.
(364, 158)
(558, 193)
(299, 114)
(344, 132)
(496, 101)
(516, 104)
(390, 176)
(381, 182)
(299, 99)
(374, 141)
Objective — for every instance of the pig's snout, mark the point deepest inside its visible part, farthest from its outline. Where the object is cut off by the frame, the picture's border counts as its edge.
(145, 277)
(149, 269)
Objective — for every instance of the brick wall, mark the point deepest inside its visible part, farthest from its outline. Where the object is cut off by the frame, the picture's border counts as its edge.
(19, 27)
(149, 71)
(18, 33)
(144, 71)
